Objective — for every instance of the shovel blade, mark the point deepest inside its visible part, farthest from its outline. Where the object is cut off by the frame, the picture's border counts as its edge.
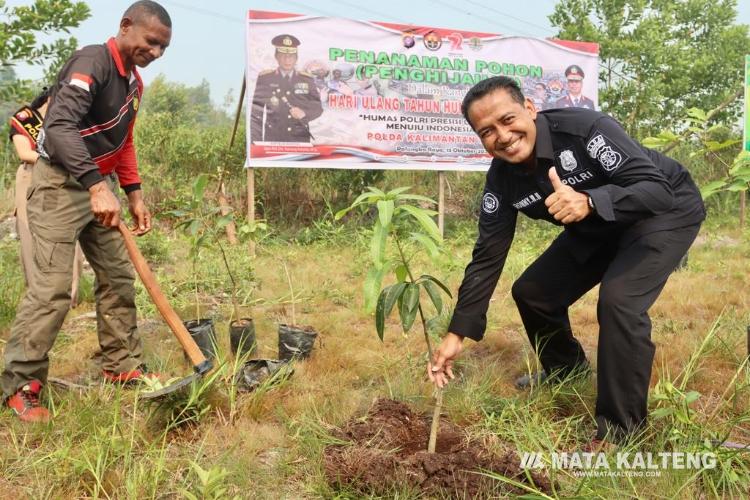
(171, 389)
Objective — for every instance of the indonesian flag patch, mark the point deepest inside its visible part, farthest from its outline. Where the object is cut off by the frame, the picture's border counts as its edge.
(81, 81)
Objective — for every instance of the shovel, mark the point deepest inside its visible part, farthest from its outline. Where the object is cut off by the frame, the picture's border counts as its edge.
(200, 364)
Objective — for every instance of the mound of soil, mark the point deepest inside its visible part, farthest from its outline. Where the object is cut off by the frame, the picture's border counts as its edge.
(388, 450)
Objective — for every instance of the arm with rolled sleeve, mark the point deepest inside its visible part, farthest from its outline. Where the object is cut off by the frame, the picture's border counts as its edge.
(480, 278)
(72, 102)
(638, 189)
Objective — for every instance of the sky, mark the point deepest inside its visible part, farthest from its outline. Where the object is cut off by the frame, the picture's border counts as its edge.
(208, 38)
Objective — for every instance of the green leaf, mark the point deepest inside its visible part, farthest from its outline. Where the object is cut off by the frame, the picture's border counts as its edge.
(387, 299)
(416, 197)
(663, 412)
(428, 243)
(376, 191)
(712, 188)
(224, 220)
(377, 244)
(395, 192)
(194, 227)
(427, 277)
(737, 186)
(692, 396)
(434, 292)
(401, 272)
(409, 306)
(373, 280)
(424, 219)
(698, 114)
(385, 212)
(199, 186)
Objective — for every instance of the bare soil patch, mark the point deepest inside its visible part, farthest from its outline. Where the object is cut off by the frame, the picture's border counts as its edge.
(388, 451)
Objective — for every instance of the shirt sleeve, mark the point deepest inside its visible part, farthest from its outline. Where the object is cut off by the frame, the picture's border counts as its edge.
(127, 168)
(77, 87)
(496, 230)
(638, 188)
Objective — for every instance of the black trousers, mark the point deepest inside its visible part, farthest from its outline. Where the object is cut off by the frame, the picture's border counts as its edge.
(631, 278)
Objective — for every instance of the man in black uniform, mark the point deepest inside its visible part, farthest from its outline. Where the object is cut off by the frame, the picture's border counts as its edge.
(289, 99)
(574, 76)
(629, 214)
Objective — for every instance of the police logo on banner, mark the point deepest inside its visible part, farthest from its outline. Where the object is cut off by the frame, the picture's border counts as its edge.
(568, 160)
(601, 149)
(490, 204)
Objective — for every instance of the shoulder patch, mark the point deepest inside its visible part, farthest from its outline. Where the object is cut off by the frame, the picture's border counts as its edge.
(490, 204)
(266, 72)
(606, 152)
(305, 73)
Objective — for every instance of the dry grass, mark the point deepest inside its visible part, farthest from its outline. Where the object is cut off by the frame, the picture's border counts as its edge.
(270, 445)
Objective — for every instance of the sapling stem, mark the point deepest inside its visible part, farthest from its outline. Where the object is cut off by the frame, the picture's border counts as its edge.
(435, 425)
(235, 305)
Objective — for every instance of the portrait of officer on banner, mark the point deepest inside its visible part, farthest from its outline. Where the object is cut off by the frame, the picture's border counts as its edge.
(285, 100)
(574, 99)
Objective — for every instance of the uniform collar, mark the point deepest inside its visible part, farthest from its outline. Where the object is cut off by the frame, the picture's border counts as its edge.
(543, 146)
(115, 53)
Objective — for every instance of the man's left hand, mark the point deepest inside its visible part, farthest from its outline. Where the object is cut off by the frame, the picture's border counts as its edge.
(566, 204)
(296, 113)
(140, 213)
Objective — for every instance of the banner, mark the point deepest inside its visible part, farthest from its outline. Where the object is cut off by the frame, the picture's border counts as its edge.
(338, 93)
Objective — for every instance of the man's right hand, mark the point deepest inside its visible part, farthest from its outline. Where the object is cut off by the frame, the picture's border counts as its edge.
(440, 370)
(105, 205)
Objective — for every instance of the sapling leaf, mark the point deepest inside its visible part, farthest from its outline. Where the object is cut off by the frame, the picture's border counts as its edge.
(385, 212)
(436, 281)
(401, 272)
(434, 292)
(376, 191)
(424, 219)
(394, 193)
(377, 244)
(386, 301)
(416, 197)
(428, 244)
(408, 306)
(372, 285)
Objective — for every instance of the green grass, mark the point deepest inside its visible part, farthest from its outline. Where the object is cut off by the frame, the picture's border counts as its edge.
(107, 443)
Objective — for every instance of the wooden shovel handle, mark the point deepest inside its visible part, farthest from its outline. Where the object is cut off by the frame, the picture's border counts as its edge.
(152, 286)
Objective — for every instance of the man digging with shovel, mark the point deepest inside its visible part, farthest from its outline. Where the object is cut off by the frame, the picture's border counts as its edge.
(87, 138)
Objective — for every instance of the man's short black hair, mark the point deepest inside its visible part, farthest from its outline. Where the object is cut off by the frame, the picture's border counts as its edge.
(146, 8)
(488, 86)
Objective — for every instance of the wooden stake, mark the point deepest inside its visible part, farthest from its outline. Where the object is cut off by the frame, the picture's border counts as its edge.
(441, 202)
(251, 203)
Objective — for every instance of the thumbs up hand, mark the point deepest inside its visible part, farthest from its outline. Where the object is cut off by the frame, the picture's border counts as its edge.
(565, 204)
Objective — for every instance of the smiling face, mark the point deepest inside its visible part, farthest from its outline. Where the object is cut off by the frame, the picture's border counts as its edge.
(140, 42)
(505, 127)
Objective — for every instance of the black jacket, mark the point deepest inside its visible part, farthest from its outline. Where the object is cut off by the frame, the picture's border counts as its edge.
(635, 191)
